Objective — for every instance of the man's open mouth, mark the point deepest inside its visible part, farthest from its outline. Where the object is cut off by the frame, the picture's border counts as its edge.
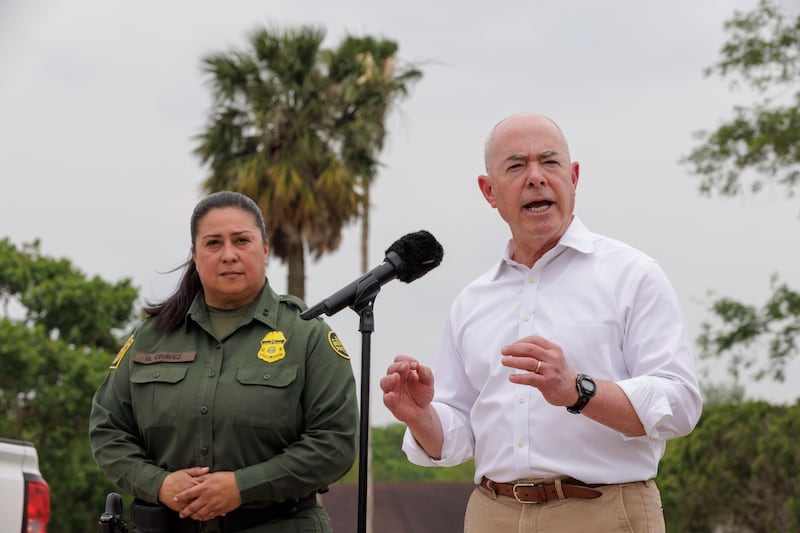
(538, 206)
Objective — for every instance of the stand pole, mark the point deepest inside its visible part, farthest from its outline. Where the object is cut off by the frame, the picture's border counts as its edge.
(366, 327)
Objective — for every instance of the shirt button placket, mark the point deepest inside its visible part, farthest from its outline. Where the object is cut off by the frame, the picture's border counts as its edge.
(207, 393)
(528, 305)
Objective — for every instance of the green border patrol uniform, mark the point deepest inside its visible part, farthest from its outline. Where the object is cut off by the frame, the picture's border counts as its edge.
(274, 402)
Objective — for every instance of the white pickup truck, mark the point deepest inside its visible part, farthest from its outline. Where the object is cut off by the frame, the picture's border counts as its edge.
(24, 494)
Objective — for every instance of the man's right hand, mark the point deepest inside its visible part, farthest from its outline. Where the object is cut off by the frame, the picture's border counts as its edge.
(408, 393)
(407, 389)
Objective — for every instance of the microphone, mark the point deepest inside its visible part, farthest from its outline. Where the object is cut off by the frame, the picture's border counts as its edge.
(408, 258)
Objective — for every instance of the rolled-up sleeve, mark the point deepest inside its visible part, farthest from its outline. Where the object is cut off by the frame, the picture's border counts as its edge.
(666, 410)
(458, 444)
(663, 386)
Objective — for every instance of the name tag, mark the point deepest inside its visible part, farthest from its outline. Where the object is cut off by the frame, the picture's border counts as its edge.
(163, 357)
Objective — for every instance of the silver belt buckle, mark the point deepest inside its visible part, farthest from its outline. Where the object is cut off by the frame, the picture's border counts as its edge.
(522, 485)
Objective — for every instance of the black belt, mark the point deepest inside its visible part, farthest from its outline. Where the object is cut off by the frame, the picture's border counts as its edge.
(149, 518)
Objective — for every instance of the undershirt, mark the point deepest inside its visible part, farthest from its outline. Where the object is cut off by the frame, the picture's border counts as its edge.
(224, 321)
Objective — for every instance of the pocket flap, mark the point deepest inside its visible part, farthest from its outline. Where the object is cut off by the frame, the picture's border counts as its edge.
(278, 376)
(162, 373)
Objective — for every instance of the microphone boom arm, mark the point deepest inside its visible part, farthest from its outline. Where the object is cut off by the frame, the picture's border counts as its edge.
(359, 292)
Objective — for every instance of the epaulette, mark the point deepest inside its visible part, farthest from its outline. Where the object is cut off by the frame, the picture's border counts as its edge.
(293, 300)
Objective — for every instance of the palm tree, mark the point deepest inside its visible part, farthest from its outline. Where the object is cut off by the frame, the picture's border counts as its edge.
(271, 136)
(370, 83)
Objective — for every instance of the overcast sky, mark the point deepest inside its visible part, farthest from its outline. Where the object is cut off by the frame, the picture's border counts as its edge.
(100, 102)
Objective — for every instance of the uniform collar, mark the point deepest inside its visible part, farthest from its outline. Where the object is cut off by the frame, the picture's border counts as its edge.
(264, 308)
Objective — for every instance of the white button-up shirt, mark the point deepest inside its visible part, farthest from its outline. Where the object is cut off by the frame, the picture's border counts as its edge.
(615, 315)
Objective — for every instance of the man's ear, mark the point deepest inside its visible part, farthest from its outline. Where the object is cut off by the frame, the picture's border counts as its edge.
(485, 185)
(576, 170)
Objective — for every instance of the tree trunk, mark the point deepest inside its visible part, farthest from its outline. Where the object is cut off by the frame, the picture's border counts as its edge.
(365, 227)
(297, 269)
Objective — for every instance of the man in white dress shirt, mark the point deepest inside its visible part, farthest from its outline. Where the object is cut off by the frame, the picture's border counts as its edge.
(562, 371)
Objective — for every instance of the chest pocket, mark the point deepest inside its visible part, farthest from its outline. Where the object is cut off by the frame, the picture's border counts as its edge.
(156, 391)
(592, 347)
(268, 396)
(165, 373)
(281, 376)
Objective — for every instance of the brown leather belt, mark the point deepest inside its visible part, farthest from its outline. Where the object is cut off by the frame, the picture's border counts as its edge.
(533, 492)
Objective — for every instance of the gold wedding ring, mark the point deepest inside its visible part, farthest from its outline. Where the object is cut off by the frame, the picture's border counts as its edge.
(538, 366)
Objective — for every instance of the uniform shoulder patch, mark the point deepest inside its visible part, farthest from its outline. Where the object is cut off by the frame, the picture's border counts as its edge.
(121, 354)
(336, 344)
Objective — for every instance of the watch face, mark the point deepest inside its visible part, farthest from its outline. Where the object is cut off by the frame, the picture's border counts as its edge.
(588, 385)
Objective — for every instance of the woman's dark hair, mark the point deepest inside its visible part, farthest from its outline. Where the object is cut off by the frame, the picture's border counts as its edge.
(170, 313)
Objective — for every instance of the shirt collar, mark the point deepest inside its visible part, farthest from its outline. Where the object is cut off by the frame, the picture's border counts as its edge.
(264, 308)
(578, 237)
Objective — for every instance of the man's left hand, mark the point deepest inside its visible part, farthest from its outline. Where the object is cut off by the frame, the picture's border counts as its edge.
(544, 367)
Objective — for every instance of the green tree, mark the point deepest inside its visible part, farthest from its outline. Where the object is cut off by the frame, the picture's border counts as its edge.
(738, 469)
(391, 464)
(271, 137)
(759, 146)
(57, 336)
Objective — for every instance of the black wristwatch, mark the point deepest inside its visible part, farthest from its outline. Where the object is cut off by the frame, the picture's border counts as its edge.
(586, 389)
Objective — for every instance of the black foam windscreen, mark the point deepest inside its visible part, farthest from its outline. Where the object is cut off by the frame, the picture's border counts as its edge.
(419, 252)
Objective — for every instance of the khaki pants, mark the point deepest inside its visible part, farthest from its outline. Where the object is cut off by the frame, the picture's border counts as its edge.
(628, 507)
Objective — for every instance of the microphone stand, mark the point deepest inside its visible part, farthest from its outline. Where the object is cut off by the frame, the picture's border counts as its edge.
(366, 290)
(366, 327)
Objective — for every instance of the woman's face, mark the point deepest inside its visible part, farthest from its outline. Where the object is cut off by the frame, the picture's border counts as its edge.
(230, 256)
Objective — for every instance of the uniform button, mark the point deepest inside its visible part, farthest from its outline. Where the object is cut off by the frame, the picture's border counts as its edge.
(531, 279)
(526, 317)
(204, 410)
(212, 374)
(521, 400)
(267, 376)
(156, 374)
(521, 443)
(204, 450)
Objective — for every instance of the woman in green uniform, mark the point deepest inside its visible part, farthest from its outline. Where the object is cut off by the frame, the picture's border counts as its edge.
(225, 411)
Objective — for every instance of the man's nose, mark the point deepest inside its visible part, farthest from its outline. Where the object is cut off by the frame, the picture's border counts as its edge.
(536, 178)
